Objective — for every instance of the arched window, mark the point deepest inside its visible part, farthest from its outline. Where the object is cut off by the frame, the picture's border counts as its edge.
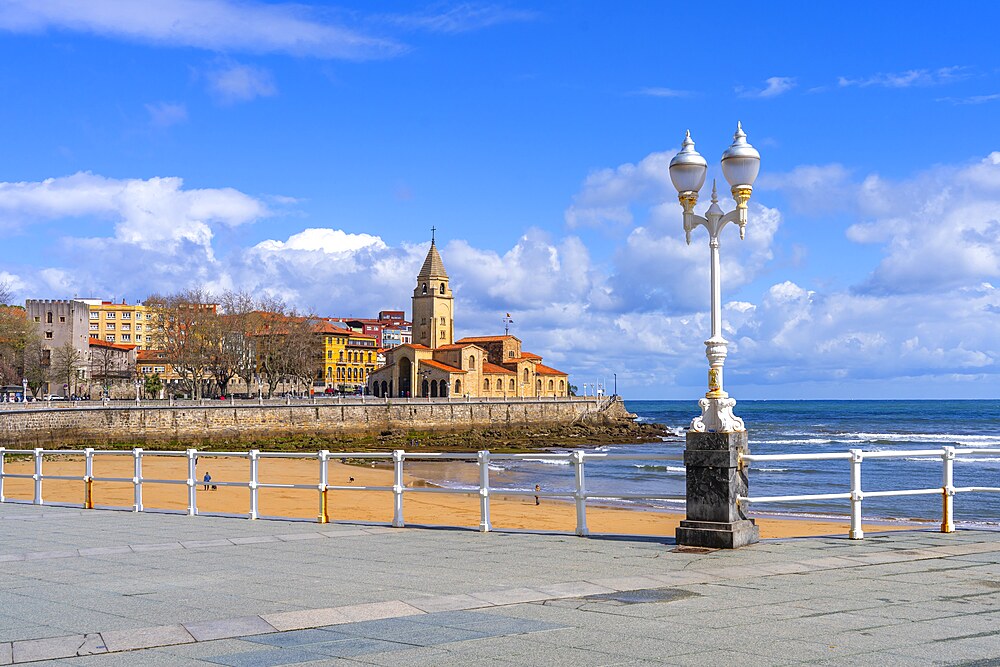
(486, 384)
(512, 385)
(423, 288)
(329, 354)
(48, 318)
(562, 385)
(458, 387)
(472, 362)
(329, 372)
(442, 288)
(552, 385)
(525, 374)
(369, 357)
(538, 386)
(341, 355)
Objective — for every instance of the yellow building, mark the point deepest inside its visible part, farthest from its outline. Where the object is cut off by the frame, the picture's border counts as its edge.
(349, 358)
(121, 323)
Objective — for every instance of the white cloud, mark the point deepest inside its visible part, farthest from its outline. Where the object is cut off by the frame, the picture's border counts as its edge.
(909, 78)
(774, 86)
(812, 188)
(152, 214)
(463, 17)
(165, 114)
(234, 82)
(327, 241)
(663, 92)
(216, 25)
(610, 195)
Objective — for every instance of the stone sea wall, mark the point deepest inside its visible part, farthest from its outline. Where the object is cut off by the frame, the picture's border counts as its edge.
(26, 428)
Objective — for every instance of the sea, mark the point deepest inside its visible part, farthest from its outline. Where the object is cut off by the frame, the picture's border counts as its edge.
(786, 427)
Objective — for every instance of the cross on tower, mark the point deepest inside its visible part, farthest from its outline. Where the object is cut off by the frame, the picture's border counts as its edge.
(433, 229)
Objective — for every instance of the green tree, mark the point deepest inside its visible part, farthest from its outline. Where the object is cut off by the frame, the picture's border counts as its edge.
(153, 385)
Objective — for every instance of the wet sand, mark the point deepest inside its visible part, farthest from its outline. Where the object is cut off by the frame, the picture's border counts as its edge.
(507, 512)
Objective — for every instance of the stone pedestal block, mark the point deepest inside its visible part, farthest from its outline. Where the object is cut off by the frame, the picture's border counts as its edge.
(714, 480)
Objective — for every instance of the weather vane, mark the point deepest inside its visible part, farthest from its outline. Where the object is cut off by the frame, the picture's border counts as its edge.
(507, 321)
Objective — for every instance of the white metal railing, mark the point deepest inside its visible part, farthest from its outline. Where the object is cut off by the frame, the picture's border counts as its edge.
(483, 459)
(947, 490)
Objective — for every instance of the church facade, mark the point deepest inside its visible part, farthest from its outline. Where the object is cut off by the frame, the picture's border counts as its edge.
(436, 365)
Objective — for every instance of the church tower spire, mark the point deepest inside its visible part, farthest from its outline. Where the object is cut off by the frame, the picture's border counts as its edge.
(433, 303)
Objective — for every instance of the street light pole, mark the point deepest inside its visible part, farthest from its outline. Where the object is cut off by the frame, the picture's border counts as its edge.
(740, 164)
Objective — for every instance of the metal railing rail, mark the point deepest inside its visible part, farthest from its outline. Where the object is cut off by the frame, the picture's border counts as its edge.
(577, 458)
(856, 495)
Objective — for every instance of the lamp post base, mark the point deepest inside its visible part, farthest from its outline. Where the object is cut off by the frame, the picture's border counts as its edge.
(716, 535)
(715, 480)
(717, 416)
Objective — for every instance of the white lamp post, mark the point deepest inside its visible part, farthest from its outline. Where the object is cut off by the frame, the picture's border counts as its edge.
(740, 164)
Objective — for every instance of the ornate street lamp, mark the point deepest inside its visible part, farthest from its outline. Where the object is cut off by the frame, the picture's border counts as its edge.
(740, 164)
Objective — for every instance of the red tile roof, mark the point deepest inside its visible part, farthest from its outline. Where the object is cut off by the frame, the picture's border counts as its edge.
(486, 339)
(493, 368)
(97, 342)
(541, 369)
(441, 367)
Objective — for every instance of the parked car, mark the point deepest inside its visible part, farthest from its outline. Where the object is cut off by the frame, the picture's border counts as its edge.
(54, 397)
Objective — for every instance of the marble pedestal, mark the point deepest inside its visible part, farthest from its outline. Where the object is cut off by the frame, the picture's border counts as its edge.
(714, 480)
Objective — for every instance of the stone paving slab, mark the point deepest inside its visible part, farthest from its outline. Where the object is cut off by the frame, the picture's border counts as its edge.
(236, 591)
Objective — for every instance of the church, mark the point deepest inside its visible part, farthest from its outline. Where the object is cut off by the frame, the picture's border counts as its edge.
(436, 365)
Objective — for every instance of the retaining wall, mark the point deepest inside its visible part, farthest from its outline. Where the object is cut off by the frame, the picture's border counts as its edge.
(192, 423)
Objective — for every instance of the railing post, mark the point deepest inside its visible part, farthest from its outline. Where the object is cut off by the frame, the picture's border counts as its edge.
(580, 494)
(397, 488)
(88, 478)
(137, 479)
(192, 457)
(254, 480)
(948, 491)
(324, 457)
(856, 532)
(3, 451)
(484, 492)
(38, 476)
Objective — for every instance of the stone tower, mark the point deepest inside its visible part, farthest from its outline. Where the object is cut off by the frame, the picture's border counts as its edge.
(433, 304)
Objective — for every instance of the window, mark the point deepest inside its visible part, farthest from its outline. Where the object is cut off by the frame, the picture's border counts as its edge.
(127, 315)
(138, 327)
(149, 316)
(37, 318)
(511, 354)
(109, 316)
(442, 334)
(442, 288)
(442, 321)
(48, 334)
(110, 326)
(147, 369)
(369, 357)
(486, 384)
(341, 355)
(126, 326)
(329, 372)
(512, 384)
(329, 354)
(159, 369)
(562, 385)
(458, 383)
(423, 321)
(149, 339)
(46, 357)
(472, 362)
(525, 374)
(62, 318)
(110, 338)
(94, 315)
(94, 326)
(127, 338)
(48, 318)
(423, 288)
(552, 385)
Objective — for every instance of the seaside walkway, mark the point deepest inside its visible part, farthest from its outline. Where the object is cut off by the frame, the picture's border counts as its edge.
(117, 588)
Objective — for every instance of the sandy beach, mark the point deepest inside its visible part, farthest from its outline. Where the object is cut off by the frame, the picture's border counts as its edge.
(507, 512)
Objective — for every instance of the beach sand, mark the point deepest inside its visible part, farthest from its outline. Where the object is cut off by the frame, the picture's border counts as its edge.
(507, 512)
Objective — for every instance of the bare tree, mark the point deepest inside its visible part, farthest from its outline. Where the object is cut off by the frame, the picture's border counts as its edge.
(15, 333)
(233, 329)
(185, 331)
(37, 363)
(66, 363)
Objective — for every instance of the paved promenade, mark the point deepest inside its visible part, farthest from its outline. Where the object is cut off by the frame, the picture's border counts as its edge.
(113, 588)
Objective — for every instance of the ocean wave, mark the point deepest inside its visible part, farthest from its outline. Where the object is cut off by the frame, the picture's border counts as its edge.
(550, 462)
(756, 469)
(798, 441)
(658, 468)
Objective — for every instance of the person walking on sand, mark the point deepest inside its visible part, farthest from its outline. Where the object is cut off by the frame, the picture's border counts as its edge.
(207, 480)
(538, 488)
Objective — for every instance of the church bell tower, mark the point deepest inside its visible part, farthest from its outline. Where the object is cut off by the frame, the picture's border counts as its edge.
(433, 304)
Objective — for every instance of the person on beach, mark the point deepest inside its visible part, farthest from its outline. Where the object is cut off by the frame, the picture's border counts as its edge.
(207, 480)
(538, 488)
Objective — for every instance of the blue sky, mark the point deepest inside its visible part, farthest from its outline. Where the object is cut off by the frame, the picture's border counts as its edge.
(305, 150)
